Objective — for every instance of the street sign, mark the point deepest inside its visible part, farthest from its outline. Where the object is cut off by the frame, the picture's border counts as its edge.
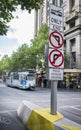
(56, 58)
(56, 18)
(56, 40)
(56, 27)
(55, 74)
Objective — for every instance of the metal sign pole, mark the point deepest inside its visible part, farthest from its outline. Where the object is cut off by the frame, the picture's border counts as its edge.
(54, 97)
(56, 54)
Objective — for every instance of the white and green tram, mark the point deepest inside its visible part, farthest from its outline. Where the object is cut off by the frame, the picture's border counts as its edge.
(23, 80)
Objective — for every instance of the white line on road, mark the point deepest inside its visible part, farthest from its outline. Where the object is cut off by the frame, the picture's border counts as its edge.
(69, 99)
(75, 108)
(9, 102)
(6, 111)
(69, 106)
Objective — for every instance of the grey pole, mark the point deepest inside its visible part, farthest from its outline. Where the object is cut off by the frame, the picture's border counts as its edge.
(54, 97)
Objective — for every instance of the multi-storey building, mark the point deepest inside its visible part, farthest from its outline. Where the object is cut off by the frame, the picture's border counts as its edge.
(72, 32)
(72, 27)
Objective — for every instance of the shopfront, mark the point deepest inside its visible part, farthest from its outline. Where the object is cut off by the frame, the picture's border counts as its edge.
(72, 78)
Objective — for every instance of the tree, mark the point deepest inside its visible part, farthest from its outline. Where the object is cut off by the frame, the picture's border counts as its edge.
(8, 6)
(66, 60)
(39, 43)
(5, 64)
(19, 58)
(28, 57)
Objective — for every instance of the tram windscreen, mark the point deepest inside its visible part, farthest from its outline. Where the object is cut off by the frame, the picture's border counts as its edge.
(30, 77)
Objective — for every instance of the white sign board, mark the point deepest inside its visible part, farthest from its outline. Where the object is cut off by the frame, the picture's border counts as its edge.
(55, 74)
(56, 18)
(56, 42)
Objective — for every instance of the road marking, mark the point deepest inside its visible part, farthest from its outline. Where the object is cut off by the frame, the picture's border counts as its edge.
(5, 120)
(6, 111)
(76, 98)
(69, 99)
(9, 102)
(18, 121)
(69, 106)
(71, 127)
(75, 108)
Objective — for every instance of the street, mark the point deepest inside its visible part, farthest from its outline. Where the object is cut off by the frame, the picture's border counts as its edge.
(68, 103)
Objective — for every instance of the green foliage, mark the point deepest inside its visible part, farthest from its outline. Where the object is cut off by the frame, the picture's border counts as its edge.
(6, 9)
(39, 44)
(8, 6)
(66, 60)
(41, 39)
(5, 63)
(30, 4)
(30, 57)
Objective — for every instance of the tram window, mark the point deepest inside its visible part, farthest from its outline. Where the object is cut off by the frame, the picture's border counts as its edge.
(23, 77)
(30, 77)
(16, 76)
(8, 77)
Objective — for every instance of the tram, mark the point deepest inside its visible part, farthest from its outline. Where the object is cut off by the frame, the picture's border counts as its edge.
(23, 80)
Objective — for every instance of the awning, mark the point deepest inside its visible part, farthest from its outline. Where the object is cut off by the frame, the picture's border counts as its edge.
(72, 70)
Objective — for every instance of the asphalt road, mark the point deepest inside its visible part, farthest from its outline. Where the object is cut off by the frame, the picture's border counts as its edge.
(68, 103)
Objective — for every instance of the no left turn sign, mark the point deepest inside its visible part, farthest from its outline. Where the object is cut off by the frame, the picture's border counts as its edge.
(56, 39)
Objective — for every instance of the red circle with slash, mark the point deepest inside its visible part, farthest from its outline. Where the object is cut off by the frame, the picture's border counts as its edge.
(52, 62)
(53, 35)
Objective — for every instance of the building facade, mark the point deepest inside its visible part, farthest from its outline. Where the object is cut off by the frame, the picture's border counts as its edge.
(72, 33)
(72, 27)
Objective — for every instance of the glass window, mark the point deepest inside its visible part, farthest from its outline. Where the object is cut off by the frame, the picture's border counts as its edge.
(72, 4)
(55, 2)
(64, 1)
(73, 45)
(16, 76)
(61, 2)
(74, 56)
(72, 24)
(23, 76)
(30, 77)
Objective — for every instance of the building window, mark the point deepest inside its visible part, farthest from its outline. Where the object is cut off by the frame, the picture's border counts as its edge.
(72, 24)
(64, 28)
(73, 53)
(64, 45)
(55, 2)
(61, 2)
(72, 4)
(74, 56)
(73, 45)
(64, 1)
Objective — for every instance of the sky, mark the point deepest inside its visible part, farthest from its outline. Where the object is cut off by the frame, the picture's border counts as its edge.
(21, 31)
